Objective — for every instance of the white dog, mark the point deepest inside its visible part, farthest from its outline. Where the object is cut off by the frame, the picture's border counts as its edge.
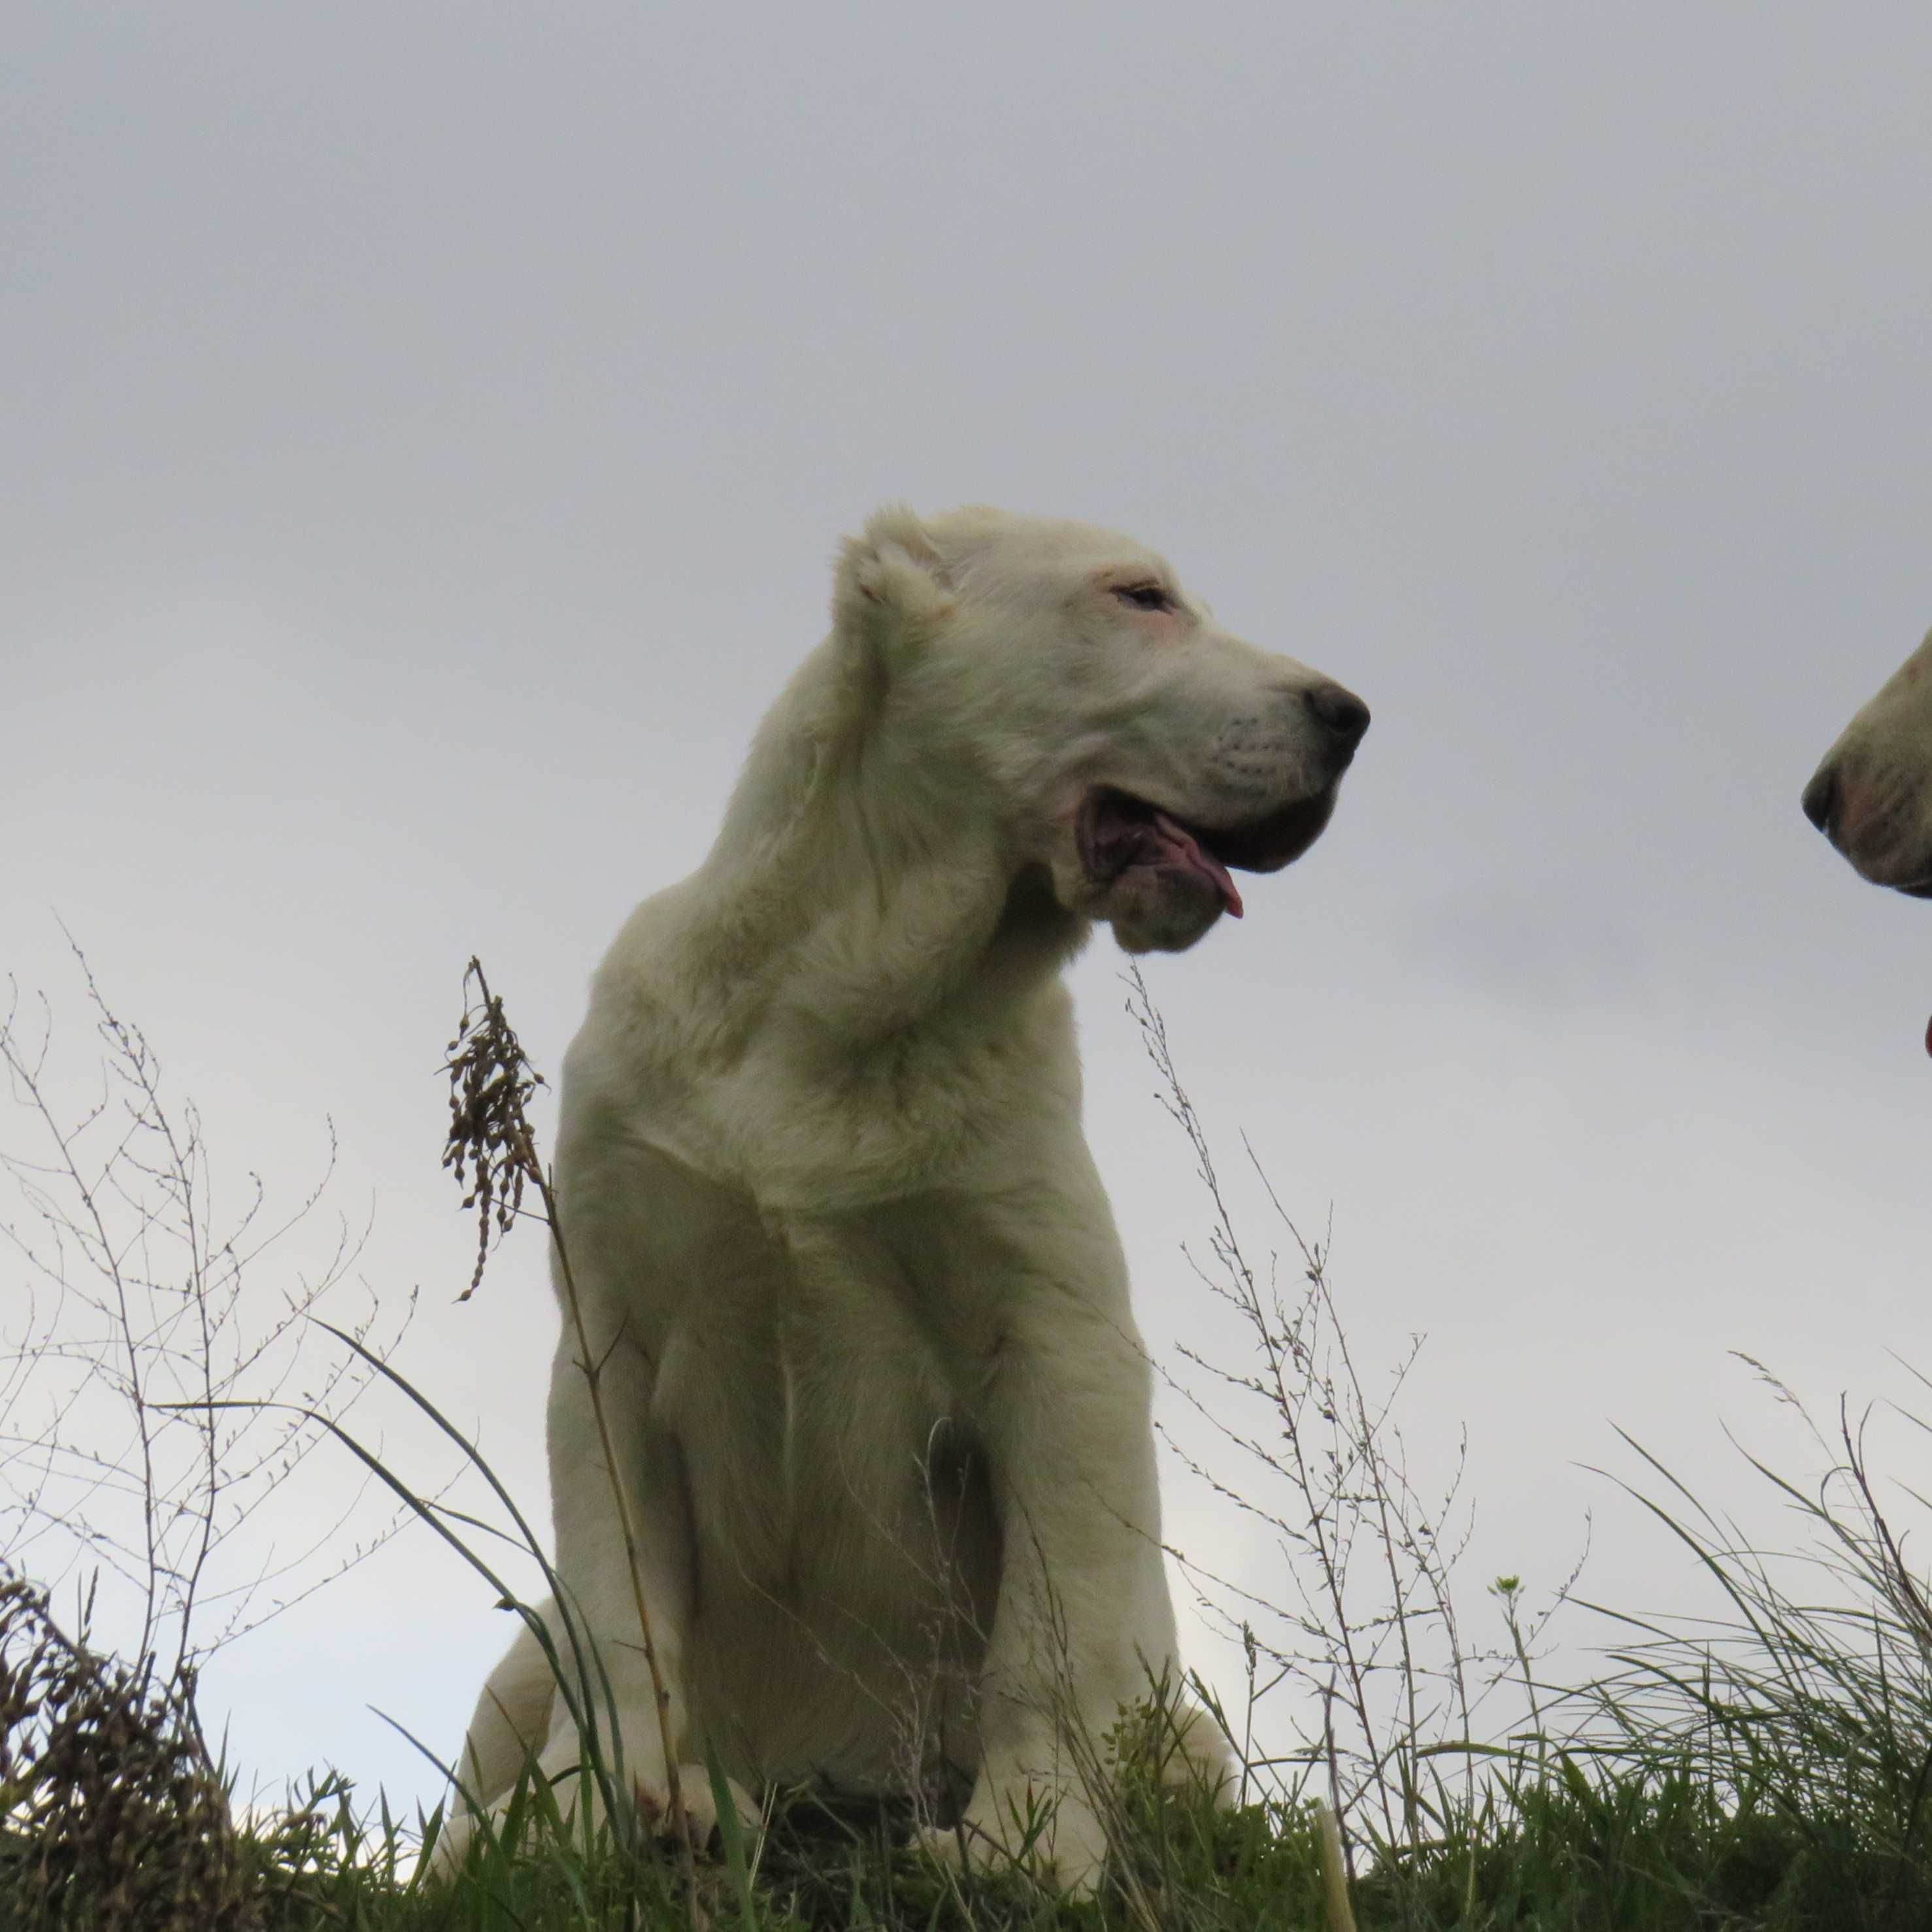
(1872, 796)
(873, 1385)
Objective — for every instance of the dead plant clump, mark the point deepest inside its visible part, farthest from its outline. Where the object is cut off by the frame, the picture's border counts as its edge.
(112, 1816)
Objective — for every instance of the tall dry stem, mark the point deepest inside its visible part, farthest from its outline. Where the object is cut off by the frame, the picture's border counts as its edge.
(491, 1148)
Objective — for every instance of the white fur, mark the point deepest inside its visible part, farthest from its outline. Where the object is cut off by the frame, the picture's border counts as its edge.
(872, 1375)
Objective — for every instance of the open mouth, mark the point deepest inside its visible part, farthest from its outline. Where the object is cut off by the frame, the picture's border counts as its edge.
(1118, 833)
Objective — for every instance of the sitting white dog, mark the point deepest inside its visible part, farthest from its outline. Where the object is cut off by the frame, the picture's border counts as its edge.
(1872, 796)
(873, 1383)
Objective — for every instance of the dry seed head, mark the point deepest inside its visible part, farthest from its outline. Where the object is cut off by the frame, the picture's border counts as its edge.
(489, 1146)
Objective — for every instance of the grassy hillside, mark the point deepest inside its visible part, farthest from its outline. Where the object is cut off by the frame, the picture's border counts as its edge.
(1768, 1769)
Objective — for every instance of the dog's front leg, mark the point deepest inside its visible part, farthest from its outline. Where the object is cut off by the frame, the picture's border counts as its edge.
(1085, 1621)
(611, 1604)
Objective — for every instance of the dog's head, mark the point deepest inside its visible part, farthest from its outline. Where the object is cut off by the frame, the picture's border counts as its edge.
(1872, 796)
(1138, 752)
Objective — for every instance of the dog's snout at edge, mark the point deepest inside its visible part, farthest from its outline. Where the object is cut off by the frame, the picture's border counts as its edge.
(1821, 797)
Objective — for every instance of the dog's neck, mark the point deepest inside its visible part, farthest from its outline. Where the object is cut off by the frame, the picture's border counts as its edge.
(929, 913)
(888, 891)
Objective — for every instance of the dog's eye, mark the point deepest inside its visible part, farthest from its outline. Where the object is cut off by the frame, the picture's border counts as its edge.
(1143, 596)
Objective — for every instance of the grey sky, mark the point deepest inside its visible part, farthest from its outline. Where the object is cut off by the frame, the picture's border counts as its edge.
(423, 430)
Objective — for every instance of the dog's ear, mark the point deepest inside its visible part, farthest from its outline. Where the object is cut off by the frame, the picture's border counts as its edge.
(891, 591)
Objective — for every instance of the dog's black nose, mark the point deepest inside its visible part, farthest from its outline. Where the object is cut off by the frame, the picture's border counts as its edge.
(1339, 711)
(1821, 796)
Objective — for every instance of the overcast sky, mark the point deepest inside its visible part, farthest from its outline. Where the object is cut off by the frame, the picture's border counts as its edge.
(423, 432)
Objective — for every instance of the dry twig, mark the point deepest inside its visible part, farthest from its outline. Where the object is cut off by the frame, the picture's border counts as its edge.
(490, 1083)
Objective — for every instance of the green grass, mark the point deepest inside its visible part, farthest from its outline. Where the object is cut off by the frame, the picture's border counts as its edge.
(1621, 1849)
(1770, 1768)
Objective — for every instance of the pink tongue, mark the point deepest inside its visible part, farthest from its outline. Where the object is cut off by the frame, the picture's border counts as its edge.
(1190, 854)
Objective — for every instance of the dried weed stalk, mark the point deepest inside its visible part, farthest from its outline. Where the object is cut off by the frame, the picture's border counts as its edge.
(491, 1147)
(1366, 1628)
(137, 1329)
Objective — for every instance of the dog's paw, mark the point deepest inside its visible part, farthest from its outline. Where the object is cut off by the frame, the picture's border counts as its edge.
(698, 1800)
(652, 1795)
(1055, 1836)
(1189, 1752)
